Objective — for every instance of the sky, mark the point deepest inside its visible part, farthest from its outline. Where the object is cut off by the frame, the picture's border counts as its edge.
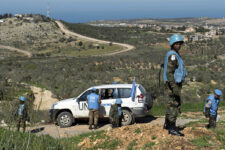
(90, 10)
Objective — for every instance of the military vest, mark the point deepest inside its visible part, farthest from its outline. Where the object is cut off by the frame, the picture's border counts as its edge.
(93, 101)
(180, 73)
(215, 103)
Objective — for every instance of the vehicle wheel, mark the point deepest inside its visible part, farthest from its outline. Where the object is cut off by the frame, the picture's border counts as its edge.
(65, 119)
(150, 102)
(127, 118)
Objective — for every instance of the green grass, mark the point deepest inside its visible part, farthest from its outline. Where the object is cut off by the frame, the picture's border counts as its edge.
(159, 110)
(202, 141)
(206, 140)
(17, 140)
(220, 135)
(148, 145)
(138, 130)
(131, 145)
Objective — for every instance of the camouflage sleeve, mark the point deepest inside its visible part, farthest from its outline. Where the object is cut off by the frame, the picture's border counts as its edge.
(172, 64)
(171, 67)
(111, 112)
(25, 112)
(207, 108)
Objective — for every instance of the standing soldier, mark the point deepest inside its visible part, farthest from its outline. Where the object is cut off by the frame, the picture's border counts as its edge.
(211, 107)
(174, 74)
(22, 113)
(115, 113)
(93, 101)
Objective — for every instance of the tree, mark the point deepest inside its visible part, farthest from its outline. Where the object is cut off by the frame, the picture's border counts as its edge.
(5, 16)
(80, 43)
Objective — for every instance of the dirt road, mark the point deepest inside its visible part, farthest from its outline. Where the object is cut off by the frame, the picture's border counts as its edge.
(126, 47)
(26, 53)
(82, 127)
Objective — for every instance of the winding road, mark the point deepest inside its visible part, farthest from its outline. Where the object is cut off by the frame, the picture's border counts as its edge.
(26, 53)
(126, 47)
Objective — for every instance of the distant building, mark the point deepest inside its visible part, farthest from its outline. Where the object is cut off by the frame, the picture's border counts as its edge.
(194, 38)
(211, 33)
(185, 38)
(29, 18)
(189, 29)
(18, 15)
(123, 24)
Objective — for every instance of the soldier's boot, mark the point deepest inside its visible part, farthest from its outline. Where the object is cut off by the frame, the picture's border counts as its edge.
(166, 125)
(95, 127)
(177, 127)
(207, 126)
(90, 127)
(173, 130)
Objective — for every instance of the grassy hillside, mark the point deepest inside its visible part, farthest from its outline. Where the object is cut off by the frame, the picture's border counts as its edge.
(42, 37)
(68, 77)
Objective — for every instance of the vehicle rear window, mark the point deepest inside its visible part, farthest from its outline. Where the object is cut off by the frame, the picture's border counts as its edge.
(142, 89)
(124, 92)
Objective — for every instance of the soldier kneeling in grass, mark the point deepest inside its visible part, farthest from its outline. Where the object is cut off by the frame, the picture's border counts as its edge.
(115, 113)
(22, 113)
(211, 107)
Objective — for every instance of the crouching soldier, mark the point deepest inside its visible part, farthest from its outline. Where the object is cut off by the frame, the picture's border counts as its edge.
(93, 101)
(115, 113)
(22, 113)
(211, 107)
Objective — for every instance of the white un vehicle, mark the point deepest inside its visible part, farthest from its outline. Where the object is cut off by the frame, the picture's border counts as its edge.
(65, 112)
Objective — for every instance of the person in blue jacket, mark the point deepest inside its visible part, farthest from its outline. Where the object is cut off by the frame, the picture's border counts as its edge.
(173, 76)
(211, 107)
(93, 101)
(22, 113)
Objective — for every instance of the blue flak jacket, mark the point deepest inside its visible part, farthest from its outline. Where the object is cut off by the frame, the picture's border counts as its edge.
(180, 73)
(93, 101)
(215, 103)
(20, 112)
(120, 111)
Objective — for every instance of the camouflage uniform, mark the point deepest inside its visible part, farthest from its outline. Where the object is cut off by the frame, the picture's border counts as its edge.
(115, 119)
(212, 119)
(173, 91)
(22, 118)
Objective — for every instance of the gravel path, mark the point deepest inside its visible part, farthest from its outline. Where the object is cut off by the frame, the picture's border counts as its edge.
(28, 54)
(82, 127)
(126, 47)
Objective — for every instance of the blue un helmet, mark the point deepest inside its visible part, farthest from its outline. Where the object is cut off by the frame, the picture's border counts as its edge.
(118, 101)
(175, 38)
(218, 92)
(93, 89)
(22, 98)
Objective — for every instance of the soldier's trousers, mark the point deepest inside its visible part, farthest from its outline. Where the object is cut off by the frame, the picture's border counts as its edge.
(212, 121)
(116, 121)
(23, 121)
(174, 101)
(93, 115)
